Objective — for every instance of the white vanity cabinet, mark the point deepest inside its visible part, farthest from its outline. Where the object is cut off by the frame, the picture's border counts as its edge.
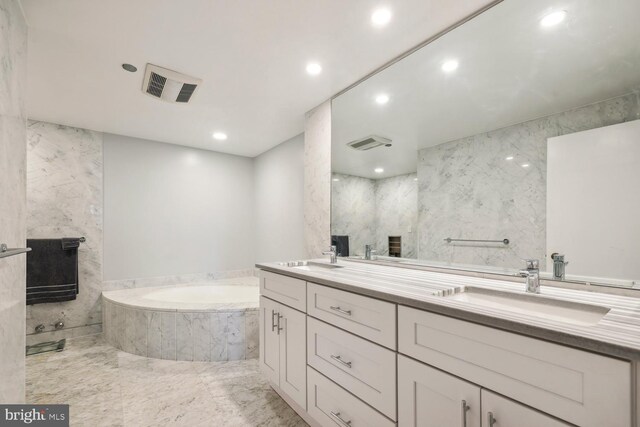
(283, 359)
(428, 397)
(573, 385)
(352, 360)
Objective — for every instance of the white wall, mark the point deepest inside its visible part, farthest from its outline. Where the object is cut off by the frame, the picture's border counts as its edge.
(279, 202)
(174, 210)
(593, 201)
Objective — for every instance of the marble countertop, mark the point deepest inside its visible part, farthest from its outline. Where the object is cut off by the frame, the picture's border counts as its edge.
(616, 334)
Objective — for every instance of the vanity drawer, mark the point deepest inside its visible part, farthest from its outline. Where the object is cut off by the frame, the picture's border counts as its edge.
(284, 289)
(370, 318)
(574, 385)
(363, 368)
(326, 401)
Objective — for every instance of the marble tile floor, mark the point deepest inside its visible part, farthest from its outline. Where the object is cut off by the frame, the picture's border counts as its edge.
(108, 387)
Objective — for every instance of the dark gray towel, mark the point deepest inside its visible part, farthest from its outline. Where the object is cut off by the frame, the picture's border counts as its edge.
(342, 245)
(52, 272)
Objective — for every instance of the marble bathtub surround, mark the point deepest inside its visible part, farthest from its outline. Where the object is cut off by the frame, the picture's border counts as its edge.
(105, 386)
(468, 189)
(13, 75)
(64, 199)
(371, 210)
(182, 331)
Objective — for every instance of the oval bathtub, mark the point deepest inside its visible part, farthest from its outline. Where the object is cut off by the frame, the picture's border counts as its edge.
(215, 321)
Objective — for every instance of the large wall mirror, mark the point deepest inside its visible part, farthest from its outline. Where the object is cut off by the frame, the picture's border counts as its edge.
(514, 136)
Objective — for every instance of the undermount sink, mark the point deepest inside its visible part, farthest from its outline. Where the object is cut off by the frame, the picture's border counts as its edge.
(532, 305)
(310, 265)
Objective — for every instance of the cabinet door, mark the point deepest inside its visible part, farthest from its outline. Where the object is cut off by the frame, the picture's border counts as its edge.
(498, 411)
(428, 397)
(269, 340)
(293, 354)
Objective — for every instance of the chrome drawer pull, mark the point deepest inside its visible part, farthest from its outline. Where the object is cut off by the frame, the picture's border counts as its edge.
(339, 359)
(337, 416)
(491, 419)
(339, 310)
(280, 316)
(464, 408)
(273, 320)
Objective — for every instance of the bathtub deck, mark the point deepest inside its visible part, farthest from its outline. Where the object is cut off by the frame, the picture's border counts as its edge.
(108, 387)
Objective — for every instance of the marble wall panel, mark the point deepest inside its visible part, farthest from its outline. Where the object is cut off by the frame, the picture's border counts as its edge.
(64, 199)
(317, 180)
(13, 75)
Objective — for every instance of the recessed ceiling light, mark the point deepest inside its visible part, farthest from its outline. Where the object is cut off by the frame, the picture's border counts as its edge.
(378, 170)
(415, 179)
(336, 179)
(220, 136)
(382, 99)
(553, 18)
(509, 158)
(314, 68)
(130, 68)
(525, 165)
(450, 66)
(381, 17)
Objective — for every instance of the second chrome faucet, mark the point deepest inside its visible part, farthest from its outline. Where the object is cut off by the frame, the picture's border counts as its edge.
(333, 254)
(532, 274)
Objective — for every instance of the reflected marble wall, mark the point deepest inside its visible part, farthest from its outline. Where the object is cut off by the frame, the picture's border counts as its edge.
(64, 199)
(397, 213)
(469, 189)
(13, 75)
(353, 210)
(369, 211)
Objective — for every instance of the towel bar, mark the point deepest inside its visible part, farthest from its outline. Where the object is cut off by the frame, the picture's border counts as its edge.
(503, 241)
(7, 252)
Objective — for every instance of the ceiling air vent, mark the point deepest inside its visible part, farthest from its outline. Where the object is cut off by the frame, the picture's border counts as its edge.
(169, 85)
(368, 143)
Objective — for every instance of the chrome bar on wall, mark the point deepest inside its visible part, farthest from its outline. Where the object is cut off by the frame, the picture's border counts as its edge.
(503, 241)
(7, 252)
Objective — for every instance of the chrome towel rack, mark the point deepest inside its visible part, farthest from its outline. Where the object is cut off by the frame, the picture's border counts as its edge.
(503, 241)
(6, 252)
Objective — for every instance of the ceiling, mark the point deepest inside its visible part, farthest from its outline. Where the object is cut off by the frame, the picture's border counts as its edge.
(251, 55)
(510, 70)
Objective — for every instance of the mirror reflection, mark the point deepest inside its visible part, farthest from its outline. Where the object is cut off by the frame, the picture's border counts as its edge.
(515, 136)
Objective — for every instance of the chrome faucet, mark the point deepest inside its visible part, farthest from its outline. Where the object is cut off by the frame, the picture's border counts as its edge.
(532, 273)
(368, 252)
(558, 266)
(333, 252)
